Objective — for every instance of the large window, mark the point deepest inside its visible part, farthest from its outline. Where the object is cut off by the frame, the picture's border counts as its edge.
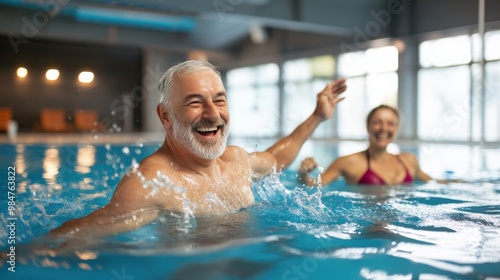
(253, 99)
(304, 78)
(372, 80)
(449, 88)
(443, 106)
(451, 83)
(492, 86)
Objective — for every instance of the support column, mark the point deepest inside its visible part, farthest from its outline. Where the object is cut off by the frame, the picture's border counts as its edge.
(155, 63)
(408, 89)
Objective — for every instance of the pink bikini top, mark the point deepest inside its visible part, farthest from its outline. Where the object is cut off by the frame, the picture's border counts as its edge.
(371, 178)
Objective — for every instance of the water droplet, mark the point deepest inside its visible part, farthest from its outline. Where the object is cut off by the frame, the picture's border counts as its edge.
(138, 151)
(113, 113)
(108, 147)
(256, 145)
(126, 150)
(135, 165)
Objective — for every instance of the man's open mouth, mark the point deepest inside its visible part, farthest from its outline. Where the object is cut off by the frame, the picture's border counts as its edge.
(208, 131)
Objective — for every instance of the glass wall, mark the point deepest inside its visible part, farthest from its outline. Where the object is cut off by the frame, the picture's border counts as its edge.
(372, 81)
(449, 102)
(303, 80)
(253, 100)
(449, 88)
(492, 97)
(492, 86)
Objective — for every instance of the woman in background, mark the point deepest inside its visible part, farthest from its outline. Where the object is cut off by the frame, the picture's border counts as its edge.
(375, 166)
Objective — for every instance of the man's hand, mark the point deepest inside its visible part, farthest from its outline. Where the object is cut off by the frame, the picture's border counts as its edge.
(280, 155)
(328, 98)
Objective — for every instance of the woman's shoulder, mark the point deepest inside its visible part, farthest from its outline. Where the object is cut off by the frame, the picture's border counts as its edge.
(352, 158)
(409, 158)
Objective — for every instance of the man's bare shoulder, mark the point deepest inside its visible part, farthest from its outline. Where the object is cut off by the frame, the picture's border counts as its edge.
(234, 153)
(154, 164)
(236, 157)
(142, 181)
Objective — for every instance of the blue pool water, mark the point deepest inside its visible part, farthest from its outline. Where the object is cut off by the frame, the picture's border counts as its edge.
(423, 231)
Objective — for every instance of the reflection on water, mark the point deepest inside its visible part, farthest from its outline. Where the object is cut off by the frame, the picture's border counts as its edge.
(231, 268)
(20, 164)
(209, 233)
(20, 161)
(85, 159)
(51, 164)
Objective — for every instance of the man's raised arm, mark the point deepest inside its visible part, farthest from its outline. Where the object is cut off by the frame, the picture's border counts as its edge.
(282, 153)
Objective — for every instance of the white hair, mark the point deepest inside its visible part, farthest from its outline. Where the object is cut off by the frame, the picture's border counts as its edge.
(168, 79)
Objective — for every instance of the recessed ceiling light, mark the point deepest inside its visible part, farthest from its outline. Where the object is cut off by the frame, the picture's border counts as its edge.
(52, 74)
(22, 72)
(86, 77)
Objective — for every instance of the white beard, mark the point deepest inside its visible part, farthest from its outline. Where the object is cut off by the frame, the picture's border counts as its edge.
(206, 149)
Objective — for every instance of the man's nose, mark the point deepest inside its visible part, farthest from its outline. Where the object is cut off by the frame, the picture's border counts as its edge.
(210, 111)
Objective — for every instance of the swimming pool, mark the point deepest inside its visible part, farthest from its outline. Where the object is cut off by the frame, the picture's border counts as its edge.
(423, 231)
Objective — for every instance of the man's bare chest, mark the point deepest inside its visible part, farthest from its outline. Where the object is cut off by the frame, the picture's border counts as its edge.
(203, 195)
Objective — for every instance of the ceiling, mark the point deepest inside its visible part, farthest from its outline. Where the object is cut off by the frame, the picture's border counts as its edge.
(224, 25)
(215, 25)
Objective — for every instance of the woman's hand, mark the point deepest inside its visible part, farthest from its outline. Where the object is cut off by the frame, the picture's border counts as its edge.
(308, 165)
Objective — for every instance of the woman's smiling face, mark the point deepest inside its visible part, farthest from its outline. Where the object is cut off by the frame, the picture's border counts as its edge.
(383, 127)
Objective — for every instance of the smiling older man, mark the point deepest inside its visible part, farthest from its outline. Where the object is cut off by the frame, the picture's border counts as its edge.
(194, 170)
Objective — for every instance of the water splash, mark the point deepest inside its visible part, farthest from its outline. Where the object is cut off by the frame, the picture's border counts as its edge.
(304, 204)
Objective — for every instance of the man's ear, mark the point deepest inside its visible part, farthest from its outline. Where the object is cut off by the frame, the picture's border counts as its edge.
(164, 116)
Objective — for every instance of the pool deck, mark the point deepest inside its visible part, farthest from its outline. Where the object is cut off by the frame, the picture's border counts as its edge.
(83, 138)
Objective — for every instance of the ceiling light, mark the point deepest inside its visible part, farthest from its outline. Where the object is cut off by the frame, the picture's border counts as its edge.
(22, 72)
(86, 77)
(52, 74)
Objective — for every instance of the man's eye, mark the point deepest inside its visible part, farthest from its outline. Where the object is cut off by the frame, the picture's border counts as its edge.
(195, 103)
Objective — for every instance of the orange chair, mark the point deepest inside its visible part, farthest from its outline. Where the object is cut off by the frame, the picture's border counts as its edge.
(86, 120)
(5, 118)
(54, 120)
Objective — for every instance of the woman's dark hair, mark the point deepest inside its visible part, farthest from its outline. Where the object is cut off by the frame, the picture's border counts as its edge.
(372, 112)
